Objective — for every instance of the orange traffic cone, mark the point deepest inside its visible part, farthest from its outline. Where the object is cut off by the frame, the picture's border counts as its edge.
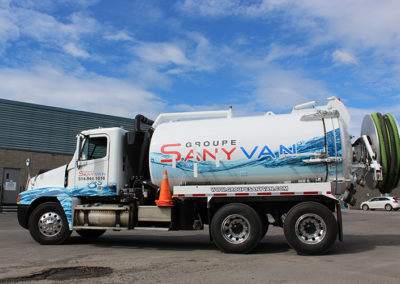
(165, 199)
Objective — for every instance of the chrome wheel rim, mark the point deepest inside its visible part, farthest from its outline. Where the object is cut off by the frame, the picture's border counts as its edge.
(50, 224)
(235, 229)
(310, 229)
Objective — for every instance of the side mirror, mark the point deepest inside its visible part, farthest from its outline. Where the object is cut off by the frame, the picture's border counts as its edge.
(79, 147)
(81, 144)
(28, 163)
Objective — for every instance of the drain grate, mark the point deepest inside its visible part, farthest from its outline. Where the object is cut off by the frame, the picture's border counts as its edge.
(63, 273)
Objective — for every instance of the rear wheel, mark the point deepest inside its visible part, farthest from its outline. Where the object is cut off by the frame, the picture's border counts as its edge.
(90, 234)
(310, 228)
(388, 207)
(365, 207)
(48, 224)
(236, 228)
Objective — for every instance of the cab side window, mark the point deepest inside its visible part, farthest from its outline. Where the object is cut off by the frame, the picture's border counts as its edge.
(94, 148)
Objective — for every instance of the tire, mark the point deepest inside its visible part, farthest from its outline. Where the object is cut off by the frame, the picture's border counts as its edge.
(236, 228)
(90, 234)
(57, 230)
(365, 207)
(388, 207)
(310, 228)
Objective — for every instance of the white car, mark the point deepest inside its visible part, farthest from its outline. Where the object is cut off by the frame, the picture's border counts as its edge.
(382, 202)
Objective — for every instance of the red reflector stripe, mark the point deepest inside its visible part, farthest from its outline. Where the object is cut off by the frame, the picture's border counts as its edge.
(179, 195)
(264, 193)
(311, 192)
(220, 194)
(241, 194)
(287, 193)
(328, 192)
(198, 194)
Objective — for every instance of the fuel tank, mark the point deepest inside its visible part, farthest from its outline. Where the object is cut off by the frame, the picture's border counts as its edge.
(306, 145)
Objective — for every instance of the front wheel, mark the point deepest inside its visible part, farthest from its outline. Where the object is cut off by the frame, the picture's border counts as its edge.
(236, 228)
(365, 207)
(310, 228)
(48, 224)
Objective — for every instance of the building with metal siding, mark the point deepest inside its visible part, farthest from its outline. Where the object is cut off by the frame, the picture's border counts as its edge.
(32, 127)
(46, 135)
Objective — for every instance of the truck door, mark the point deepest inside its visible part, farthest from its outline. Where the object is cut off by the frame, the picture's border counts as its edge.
(91, 174)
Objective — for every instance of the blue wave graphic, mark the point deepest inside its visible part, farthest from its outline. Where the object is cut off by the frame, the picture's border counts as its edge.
(64, 195)
(291, 165)
(27, 197)
(330, 137)
(94, 189)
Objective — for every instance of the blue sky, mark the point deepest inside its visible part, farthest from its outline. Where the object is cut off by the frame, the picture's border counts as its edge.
(126, 57)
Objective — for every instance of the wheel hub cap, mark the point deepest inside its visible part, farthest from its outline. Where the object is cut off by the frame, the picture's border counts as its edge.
(235, 229)
(50, 224)
(310, 228)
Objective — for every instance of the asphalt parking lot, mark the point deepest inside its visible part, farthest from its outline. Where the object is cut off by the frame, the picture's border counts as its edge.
(370, 253)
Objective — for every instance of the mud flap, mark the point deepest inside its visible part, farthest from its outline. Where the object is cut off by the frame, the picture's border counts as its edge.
(339, 221)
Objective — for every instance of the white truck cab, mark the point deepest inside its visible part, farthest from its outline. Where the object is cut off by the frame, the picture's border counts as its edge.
(99, 165)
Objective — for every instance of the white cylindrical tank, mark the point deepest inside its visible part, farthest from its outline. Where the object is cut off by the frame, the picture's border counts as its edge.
(296, 147)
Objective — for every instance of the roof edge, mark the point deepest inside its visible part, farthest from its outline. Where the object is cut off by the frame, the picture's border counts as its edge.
(59, 109)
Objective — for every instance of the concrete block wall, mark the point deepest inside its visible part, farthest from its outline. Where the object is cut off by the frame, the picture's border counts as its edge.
(16, 159)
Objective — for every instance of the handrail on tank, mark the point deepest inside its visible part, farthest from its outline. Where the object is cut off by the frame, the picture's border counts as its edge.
(192, 115)
(312, 103)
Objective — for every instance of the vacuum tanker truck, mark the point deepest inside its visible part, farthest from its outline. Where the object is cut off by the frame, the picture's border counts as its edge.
(238, 175)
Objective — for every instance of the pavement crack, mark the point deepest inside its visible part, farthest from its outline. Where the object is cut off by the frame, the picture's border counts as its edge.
(62, 273)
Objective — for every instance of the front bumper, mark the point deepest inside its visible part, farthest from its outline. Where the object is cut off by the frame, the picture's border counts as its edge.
(23, 215)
